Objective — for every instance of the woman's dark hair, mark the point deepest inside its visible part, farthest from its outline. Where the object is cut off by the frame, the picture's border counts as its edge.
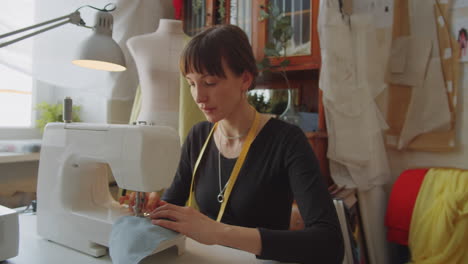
(204, 53)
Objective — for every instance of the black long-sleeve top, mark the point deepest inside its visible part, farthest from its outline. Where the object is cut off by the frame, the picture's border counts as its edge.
(280, 167)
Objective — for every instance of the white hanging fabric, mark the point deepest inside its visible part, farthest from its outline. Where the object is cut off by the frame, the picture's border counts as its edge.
(352, 75)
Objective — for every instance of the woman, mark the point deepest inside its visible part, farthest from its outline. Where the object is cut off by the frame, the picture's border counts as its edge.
(279, 166)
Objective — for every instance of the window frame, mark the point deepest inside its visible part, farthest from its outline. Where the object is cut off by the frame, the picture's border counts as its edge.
(30, 132)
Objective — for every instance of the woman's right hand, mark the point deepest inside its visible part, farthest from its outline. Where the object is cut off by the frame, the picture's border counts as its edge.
(153, 201)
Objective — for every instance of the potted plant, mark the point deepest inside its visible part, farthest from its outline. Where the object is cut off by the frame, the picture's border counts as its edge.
(54, 113)
(282, 33)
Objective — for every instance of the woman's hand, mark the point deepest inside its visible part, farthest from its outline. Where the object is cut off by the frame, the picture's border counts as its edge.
(189, 222)
(153, 200)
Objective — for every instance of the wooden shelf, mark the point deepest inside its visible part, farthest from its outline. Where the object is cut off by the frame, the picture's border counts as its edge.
(11, 157)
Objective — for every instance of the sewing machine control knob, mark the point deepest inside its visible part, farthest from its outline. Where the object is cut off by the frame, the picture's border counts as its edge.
(142, 122)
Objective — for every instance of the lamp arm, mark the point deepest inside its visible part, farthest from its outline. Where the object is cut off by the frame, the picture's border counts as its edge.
(73, 18)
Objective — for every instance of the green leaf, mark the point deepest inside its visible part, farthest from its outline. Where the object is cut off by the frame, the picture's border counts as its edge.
(277, 33)
(285, 63)
(271, 52)
(275, 11)
(264, 64)
(270, 45)
(288, 33)
(284, 21)
(260, 66)
(263, 15)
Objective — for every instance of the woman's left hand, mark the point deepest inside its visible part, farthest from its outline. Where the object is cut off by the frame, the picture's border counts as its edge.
(187, 221)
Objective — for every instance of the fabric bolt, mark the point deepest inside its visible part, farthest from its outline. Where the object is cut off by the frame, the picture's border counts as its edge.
(401, 204)
(133, 238)
(439, 225)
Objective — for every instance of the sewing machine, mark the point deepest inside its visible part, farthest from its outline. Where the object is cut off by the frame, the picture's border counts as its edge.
(75, 207)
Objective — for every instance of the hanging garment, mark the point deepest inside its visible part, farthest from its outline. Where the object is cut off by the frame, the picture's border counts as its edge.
(351, 77)
(439, 225)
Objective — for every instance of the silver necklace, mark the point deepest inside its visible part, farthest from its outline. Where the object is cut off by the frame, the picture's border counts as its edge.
(231, 137)
(221, 191)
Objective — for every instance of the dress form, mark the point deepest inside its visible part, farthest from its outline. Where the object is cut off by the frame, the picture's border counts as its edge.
(157, 60)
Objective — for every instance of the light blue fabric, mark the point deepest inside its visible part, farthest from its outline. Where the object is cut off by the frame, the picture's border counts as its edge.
(134, 238)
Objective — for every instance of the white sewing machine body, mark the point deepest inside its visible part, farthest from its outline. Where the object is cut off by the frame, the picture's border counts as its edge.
(75, 207)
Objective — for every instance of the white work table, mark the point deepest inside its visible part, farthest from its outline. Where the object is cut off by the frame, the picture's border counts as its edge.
(36, 250)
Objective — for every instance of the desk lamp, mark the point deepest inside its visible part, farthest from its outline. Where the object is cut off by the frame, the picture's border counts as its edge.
(98, 52)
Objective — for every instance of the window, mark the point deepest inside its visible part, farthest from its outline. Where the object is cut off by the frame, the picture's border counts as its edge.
(15, 98)
(16, 83)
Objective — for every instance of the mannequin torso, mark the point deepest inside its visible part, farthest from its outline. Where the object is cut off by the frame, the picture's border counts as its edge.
(157, 59)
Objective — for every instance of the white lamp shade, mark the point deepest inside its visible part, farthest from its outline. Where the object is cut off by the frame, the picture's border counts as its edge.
(100, 52)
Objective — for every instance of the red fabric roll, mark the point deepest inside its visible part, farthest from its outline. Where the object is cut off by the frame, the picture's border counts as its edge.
(401, 203)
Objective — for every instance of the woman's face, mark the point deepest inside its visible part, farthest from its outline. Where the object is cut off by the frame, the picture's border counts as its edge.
(218, 97)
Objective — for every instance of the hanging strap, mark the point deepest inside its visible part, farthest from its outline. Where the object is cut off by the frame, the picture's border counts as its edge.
(191, 201)
(235, 172)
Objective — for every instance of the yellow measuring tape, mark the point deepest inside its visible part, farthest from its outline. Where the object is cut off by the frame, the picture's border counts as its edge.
(235, 172)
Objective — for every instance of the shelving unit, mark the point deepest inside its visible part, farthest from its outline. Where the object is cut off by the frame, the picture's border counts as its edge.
(10, 157)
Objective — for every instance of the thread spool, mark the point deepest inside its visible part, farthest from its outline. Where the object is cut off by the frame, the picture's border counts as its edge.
(67, 109)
